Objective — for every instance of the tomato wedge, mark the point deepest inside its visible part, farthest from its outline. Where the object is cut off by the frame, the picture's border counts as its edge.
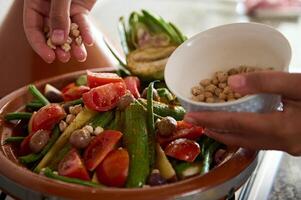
(113, 170)
(105, 97)
(133, 85)
(72, 166)
(183, 149)
(46, 117)
(73, 92)
(183, 130)
(99, 148)
(98, 79)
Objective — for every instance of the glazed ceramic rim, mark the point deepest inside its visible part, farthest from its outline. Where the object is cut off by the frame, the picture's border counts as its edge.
(35, 182)
(230, 103)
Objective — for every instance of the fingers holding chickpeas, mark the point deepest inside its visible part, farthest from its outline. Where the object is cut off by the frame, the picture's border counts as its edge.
(51, 32)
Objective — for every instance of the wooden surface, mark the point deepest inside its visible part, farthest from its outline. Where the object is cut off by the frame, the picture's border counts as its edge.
(19, 65)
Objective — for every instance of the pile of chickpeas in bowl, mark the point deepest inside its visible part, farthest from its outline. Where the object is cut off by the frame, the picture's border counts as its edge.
(216, 89)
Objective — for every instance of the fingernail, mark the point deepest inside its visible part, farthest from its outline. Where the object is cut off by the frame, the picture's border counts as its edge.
(237, 81)
(58, 36)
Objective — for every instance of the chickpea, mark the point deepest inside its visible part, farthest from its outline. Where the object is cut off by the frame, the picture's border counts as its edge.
(196, 90)
(210, 100)
(210, 88)
(200, 97)
(166, 126)
(232, 71)
(70, 118)
(208, 94)
(222, 85)
(215, 81)
(217, 91)
(39, 140)
(80, 138)
(205, 82)
(237, 95)
(74, 110)
(62, 125)
(222, 77)
(125, 101)
(222, 96)
(155, 94)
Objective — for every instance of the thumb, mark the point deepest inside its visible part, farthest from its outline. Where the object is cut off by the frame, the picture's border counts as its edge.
(59, 21)
(282, 83)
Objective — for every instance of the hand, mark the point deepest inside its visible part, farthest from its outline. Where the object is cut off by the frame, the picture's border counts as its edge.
(275, 130)
(57, 14)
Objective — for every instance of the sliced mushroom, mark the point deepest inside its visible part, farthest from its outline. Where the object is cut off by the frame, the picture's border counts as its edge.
(166, 126)
(39, 140)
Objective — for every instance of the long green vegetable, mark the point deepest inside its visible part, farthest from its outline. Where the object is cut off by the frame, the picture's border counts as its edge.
(13, 139)
(165, 110)
(102, 119)
(49, 173)
(55, 161)
(123, 35)
(209, 157)
(36, 93)
(37, 156)
(66, 105)
(136, 142)
(17, 116)
(33, 106)
(151, 124)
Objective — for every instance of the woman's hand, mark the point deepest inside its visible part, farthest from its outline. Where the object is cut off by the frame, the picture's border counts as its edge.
(276, 130)
(57, 15)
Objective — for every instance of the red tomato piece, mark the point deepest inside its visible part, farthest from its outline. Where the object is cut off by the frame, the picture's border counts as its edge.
(67, 87)
(24, 146)
(98, 79)
(133, 85)
(72, 166)
(105, 97)
(100, 147)
(183, 130)
(47, 117)
(113, 170)
(74, 92)
(183, 149)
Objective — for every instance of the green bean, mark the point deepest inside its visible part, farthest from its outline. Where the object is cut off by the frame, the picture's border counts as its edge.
(49, 173)
(102, 119)
(123, 35)
(151, 124)
(34, 106)
(61, 154)
(122, 63)
(37, 156)
(36, 93)
(209, 157)
(13, 139)
(17, 116)
(67, 104)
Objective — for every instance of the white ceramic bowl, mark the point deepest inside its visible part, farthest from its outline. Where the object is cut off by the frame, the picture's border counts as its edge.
(222, 48)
